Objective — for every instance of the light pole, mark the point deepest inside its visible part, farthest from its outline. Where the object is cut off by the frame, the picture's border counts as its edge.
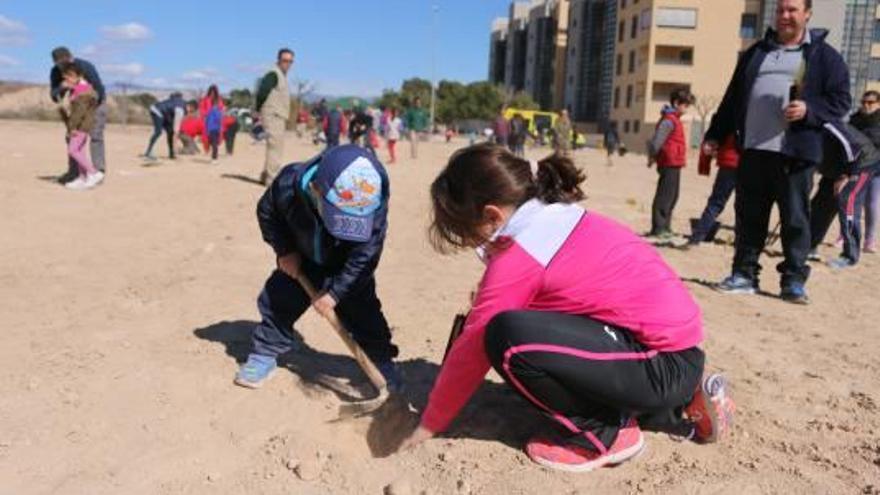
(434, 9)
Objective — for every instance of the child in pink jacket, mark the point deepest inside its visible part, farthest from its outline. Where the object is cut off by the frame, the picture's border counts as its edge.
(581, 317)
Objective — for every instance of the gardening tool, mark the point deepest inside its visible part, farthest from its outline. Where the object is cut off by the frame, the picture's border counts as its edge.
(358, 408)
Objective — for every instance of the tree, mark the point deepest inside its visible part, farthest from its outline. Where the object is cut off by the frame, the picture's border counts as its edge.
(241, 98)
(522, 101)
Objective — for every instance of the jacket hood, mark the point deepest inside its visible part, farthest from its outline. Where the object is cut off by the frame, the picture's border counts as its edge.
(668, 109)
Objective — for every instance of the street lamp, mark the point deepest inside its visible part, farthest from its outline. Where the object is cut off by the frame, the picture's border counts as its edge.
(434, 9)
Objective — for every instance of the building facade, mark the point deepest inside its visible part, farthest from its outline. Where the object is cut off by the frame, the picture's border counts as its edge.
(589, 60)
(517, 37)
(498, 51)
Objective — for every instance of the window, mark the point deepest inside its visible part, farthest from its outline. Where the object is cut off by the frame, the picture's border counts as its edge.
(626, 127)
(622, 4)
(634, 27)
(632, 61)
(874, 69)
(637, 126)
(616, 97)
(570, 79)
(645, 20)
(629, 96)
(877, 31)
(619, 63)
(674, 55)
(748, 26)
(621, 28)
(677, 18)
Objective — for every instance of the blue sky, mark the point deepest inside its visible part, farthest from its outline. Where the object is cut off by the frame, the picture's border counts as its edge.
(344, 46)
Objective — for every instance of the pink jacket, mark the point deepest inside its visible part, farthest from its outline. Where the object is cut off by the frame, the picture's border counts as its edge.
(560, 258)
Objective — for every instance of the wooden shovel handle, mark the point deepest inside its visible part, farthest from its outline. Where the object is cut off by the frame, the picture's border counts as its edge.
(360, 356)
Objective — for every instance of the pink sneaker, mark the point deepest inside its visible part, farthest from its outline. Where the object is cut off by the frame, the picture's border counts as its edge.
(711, 410)
(573, 458)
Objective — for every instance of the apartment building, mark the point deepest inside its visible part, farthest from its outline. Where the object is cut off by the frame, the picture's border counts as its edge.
(589, 61)
(662, 45)
(497, 50)
(874, 62)
(517, 37)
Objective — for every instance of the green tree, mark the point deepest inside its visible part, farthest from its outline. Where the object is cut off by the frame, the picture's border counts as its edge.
(241, 98)
(523, 101)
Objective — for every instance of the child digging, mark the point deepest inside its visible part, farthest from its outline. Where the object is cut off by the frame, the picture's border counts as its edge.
(668, 148)
(326, 220)
(80, 118)
(578, 315)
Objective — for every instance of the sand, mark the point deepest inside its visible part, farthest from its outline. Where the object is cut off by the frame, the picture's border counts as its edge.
(124, 310)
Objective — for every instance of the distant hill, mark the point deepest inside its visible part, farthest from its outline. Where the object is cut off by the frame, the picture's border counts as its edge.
(32, 102)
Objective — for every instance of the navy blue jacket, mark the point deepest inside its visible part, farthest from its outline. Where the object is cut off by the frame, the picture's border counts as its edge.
(848, 151)
(167, 107)
(89, 73)
(825, 90)
(290, 224)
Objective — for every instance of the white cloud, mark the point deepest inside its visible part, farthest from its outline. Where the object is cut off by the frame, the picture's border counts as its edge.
(6, 61)
(131, 69)
(130, 31)
(199, 75)
(13, 32)
(252, 68)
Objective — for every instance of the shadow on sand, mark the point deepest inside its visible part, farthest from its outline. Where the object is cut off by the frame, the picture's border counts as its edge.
(496, 412)
(243, 178)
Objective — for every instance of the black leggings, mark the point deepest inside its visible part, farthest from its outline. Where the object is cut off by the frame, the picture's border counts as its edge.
(591, 377)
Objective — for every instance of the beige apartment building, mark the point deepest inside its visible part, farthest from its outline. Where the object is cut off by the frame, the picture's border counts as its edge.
(662, 45)
(874, 66)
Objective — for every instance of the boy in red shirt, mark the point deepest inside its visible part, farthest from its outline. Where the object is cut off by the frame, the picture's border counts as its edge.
(668, 148)
(706, 226)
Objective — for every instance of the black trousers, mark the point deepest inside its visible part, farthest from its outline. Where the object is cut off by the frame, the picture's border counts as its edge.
(765, 178)
(665, 199)
(283, 301)
(722, 189)
(229, 137)
(591, 377)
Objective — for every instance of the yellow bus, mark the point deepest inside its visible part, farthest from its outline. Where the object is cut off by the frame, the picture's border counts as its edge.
(536, 119)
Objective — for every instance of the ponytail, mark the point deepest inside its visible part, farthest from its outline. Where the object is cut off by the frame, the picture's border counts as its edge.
(558, 180)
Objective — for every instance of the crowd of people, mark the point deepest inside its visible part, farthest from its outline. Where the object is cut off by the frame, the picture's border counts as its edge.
(784, 116)
(579, 317)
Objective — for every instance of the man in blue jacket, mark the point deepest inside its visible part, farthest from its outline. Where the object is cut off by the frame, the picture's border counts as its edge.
(61, 56)
(784, 89)
(326, 220)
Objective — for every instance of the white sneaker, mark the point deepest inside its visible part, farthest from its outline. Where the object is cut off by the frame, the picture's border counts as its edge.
(93, 180)
(77, 184)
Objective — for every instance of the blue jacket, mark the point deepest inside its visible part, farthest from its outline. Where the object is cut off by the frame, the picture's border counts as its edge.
(167, 107)
(848, 151)
(290, 224)
(89, 73)
(825, 90)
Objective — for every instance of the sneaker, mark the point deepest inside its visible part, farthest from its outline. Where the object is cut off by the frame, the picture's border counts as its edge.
(393, 379)
(255, 371)
(93, 180)
(840, 263)
(77, 184)
(870, 247)
(151, 158)
(711, 410)
(569, 457)
(813, 255)
(795, 293)
(737, 284)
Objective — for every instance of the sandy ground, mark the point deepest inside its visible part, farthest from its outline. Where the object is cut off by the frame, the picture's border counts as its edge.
(124, 310)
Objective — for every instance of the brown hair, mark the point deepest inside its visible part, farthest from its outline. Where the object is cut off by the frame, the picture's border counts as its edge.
(71, 68)
(485, 174)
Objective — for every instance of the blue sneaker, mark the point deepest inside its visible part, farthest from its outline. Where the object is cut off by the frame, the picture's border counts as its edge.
(737, 284)
(795, 293)
(255, 371)
(392, 376)
(840, 263)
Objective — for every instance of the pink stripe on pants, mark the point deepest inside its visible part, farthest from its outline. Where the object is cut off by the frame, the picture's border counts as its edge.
(76, 148)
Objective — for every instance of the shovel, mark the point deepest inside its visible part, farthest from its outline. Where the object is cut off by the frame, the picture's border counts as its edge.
(357, 408)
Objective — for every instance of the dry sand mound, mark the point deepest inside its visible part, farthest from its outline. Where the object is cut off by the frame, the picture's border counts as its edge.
(124, 310)
(33, 102)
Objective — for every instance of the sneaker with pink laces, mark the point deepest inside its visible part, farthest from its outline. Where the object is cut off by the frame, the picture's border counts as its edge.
(711, 410)
(564, 456)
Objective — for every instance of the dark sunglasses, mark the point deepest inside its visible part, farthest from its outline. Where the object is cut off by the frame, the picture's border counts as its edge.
(286, 60)
(869, 102)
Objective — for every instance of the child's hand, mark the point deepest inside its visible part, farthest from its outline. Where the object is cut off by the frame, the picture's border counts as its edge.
(418, 436)
(324, 304)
